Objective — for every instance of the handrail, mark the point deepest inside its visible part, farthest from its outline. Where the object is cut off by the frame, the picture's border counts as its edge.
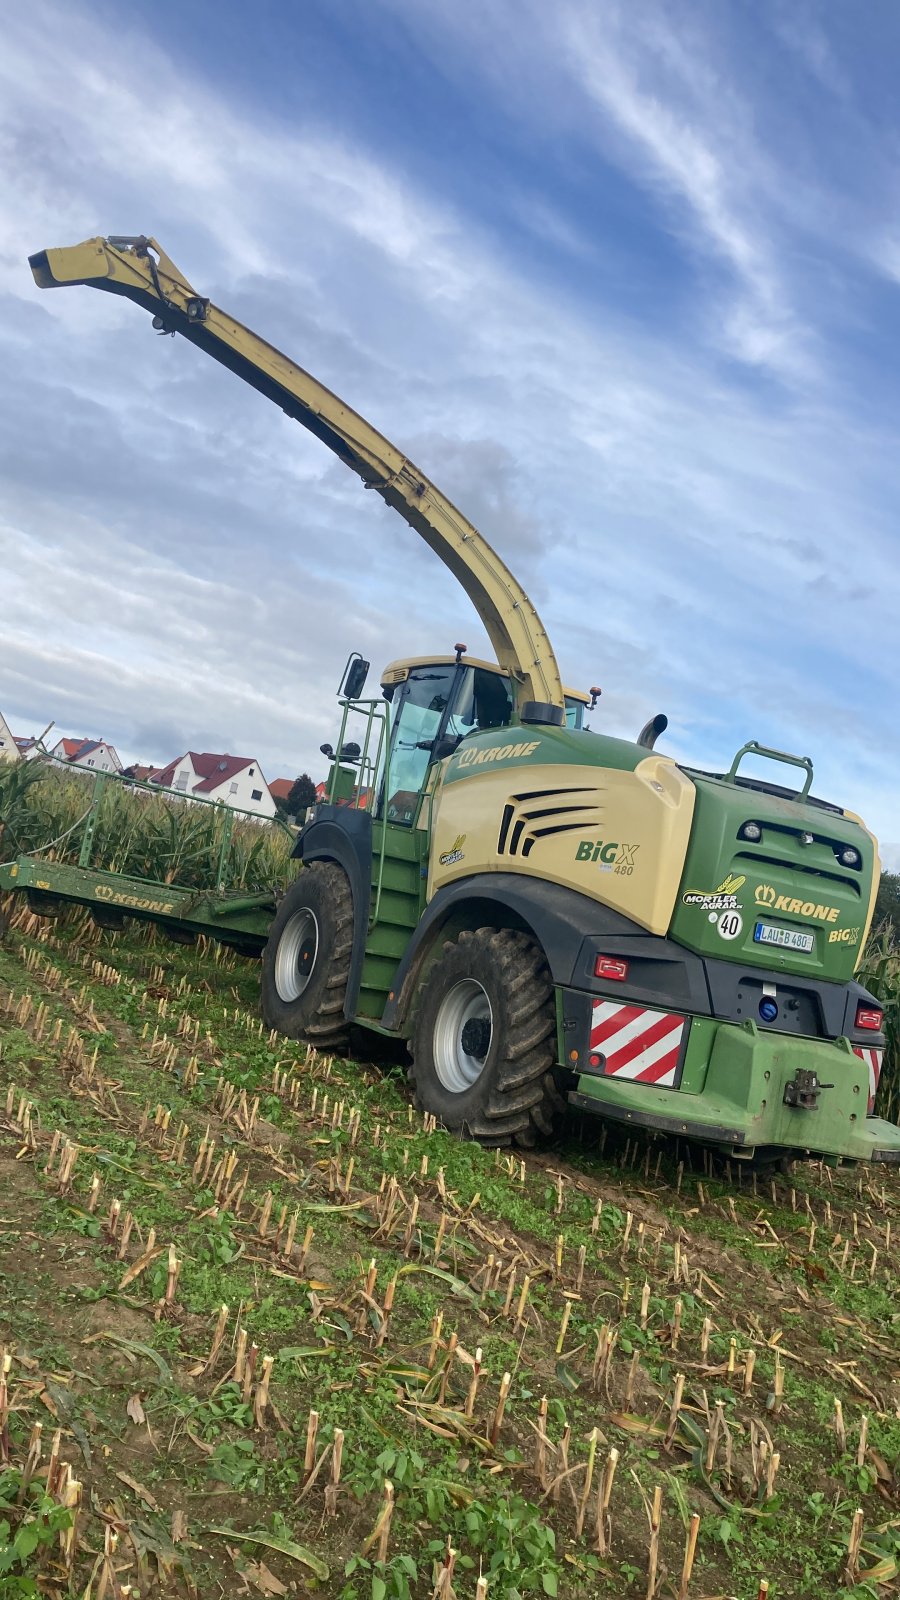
(753, 747)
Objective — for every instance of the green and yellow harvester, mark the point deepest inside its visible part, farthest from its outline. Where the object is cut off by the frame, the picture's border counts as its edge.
(542, 912)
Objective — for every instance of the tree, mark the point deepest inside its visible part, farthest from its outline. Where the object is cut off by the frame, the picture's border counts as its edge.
(887, 905)
(302, 795)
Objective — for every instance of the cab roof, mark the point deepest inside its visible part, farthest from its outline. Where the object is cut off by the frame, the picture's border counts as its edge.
(397, 671)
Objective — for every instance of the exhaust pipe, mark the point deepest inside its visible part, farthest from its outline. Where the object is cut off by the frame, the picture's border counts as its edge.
(651, 730)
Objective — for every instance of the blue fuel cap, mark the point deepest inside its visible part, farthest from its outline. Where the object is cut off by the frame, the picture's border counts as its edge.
(768, 1009)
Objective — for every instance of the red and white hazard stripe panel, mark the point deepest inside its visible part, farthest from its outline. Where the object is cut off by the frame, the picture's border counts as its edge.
(872, 1058)
(636, 1042)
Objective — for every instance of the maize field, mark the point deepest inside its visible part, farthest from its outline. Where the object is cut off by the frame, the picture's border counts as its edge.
(140, 832)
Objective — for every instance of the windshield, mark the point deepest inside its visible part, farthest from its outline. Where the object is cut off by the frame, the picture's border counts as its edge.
(423, 700)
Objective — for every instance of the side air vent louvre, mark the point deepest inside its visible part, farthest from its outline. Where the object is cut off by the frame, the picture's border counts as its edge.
(537, 813)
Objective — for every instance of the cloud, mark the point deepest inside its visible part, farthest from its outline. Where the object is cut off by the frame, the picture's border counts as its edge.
(799, 29)
(657, 86)
(665, 102)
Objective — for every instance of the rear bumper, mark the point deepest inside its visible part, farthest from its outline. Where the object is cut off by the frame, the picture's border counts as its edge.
(735, 1098)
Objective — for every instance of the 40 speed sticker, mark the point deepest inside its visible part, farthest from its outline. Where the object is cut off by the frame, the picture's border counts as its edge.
(730, 924)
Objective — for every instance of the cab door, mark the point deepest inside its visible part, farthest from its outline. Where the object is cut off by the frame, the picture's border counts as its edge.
(419, 713)
(433, 711)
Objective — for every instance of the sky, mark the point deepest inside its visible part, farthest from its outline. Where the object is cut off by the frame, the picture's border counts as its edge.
(623, 280)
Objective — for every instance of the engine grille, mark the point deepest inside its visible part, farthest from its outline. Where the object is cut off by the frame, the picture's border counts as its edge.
(539, 813)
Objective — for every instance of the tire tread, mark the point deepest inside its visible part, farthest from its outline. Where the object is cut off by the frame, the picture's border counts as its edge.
(523, 1101)
(328, 1029)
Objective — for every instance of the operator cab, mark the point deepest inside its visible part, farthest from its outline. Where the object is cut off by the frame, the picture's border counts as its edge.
(435, 703)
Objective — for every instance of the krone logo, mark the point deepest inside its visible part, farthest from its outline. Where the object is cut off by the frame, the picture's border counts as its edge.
(769, 897)
(473, 757)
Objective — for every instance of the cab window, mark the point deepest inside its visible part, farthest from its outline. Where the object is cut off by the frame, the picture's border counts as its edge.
(420, 706)
(439, 702)
(574, 713)
(482, 700)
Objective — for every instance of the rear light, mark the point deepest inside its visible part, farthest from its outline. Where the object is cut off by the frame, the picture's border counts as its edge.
(751, 831)
(611, 967)
(869, 1017)
(849, 857)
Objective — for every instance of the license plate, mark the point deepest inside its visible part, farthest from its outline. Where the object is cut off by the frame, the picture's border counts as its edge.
(788, 938)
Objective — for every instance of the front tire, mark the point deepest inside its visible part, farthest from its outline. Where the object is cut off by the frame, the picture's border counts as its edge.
(306, 962)
(483, 1044)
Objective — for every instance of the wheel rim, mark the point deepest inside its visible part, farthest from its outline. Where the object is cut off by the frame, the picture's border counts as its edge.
(295, 957)
(463, 1032)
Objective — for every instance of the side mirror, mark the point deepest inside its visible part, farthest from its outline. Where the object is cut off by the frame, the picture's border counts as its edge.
(445, 746)
(354, 679)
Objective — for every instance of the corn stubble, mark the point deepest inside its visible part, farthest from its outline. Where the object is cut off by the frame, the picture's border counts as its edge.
(543, 1295)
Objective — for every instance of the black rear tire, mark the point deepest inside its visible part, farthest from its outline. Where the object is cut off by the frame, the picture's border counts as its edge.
(771, 1162)
(108, 917)
(306, 962)
(484, 1039)
(43, 904)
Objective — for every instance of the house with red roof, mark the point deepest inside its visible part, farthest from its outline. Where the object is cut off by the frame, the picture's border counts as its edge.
(280, 788)
(93, 754)
(9, 748)
(234, 780)
(359, 797)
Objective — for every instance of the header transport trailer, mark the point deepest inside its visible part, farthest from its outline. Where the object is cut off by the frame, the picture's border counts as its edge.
(239, 918)
(546, 913)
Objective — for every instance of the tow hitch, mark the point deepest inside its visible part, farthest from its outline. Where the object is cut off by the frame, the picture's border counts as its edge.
(803, 1090)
